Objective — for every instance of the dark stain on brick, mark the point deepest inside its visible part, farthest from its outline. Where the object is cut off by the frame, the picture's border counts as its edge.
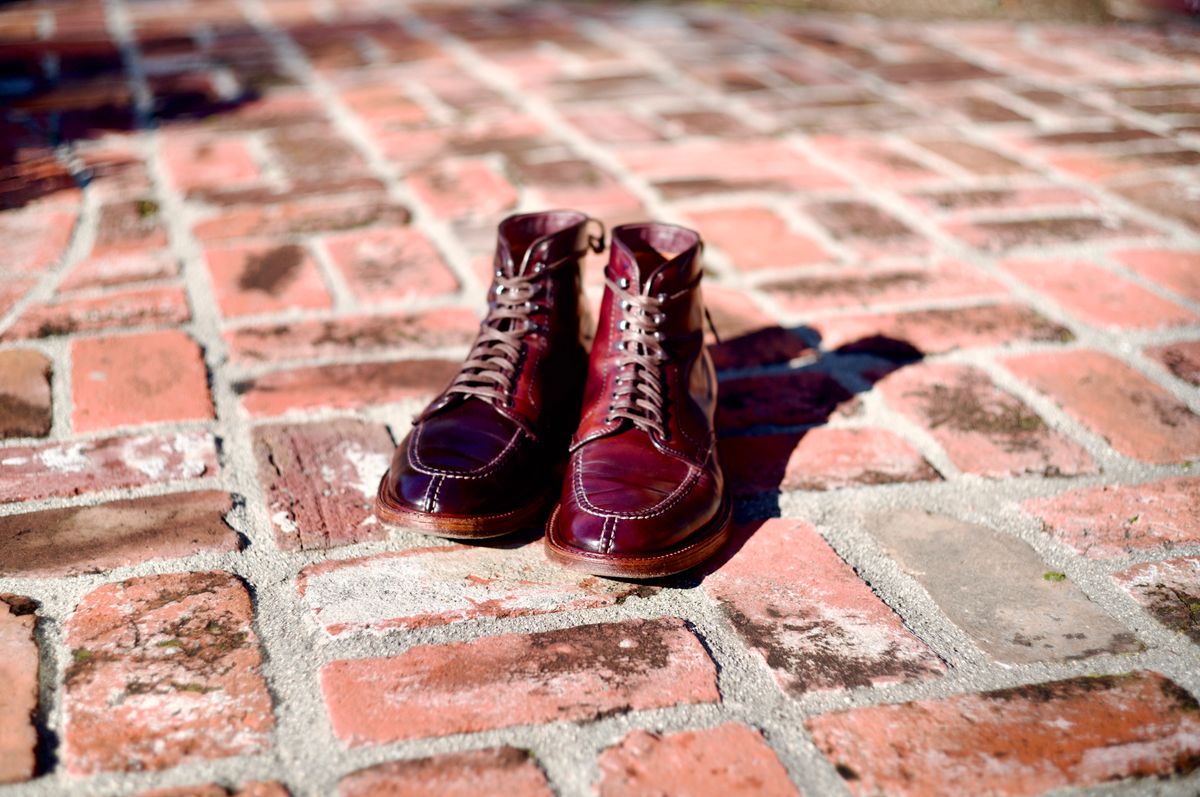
(19, 605)
(271, 271)
(859, 220)
(599, 648)
(19, 418)
(857, 287)
(824, 663)
(1176, 608)
(962, 407)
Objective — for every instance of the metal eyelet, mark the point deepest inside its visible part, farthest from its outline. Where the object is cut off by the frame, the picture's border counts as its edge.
(623, 282)
(662, 297)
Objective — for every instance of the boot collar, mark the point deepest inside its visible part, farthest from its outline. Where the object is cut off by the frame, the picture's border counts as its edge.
(670, 256)
(528, 238)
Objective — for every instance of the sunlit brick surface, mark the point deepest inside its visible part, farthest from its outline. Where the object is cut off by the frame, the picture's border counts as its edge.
(954, 269)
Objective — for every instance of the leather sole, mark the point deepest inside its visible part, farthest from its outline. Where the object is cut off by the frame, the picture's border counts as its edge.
(667, 563)
(461, 527)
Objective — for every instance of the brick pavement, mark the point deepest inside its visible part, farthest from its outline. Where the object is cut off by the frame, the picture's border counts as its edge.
(955, 267)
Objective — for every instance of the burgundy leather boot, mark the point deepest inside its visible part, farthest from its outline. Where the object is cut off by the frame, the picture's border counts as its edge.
(643, 494)
(485, 458)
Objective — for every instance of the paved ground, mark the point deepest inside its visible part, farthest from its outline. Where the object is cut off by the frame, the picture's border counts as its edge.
(957, 272)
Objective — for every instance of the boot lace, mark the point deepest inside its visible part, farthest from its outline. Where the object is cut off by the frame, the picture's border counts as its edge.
(491, 368)
(639, 394)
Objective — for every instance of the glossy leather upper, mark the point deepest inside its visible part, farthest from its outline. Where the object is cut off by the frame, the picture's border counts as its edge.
(629, 490)
(468, 456)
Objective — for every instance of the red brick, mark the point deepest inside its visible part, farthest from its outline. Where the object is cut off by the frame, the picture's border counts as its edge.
(120, 268)
(324, 213)
(19, 698)
(756, 238)
(83, 466)
(1002, 235)
(264, 278)
(194, 163)
(574, 182)
(720, 166)
(1137, 417)
(497, 770)
(13, 292)
(749, 338)
(806, 614)
(730, 760)
(568, 675)
(137, 379)
(1099, 296)
(1110, 521)
(876, 161)
(849, 287)
(788, 399)
(145, 307)
(260, 789)
(1178, 271)
(976, 159)
(129, 226)
(1011, 741)
(435, 586)
(1181, 359)
(93, 539)
(164, 670)
(983, 429)
(938, 330)
(824, 458)
(434, 329)
(390, 264)
(1175, 200)
(867, 229)
(1169, 591)
(320, 481)
(612, 126)
(965, 200)
(1097, 166)
(359, 385)
(463, 188)
(25, 404)
(33, 240)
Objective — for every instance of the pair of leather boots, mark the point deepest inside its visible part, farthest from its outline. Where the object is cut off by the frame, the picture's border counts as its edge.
(619, 441)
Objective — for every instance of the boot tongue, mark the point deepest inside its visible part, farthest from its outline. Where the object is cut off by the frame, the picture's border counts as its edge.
(655, 258)
(536, 237)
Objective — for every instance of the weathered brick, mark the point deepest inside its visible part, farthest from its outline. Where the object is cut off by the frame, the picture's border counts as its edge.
(144, 307)
(137, 379)
(788, 399)
(259, 789)
(164, 669)
(876, 161)
(953, 201)
(264, 278)
(572, 674)
(84, 466)
(497, 770)
(1179, 271)
(729, 759)
(19, 697)
(574, 182)
(320, 481)
(1003, 235)
(12, 292)
(435, 586)
(1137, 417)
(34, 240)
(613, 126)
(358, 385)
(998, 590)
(129, 226)
(1181, 359)
(121, 268)
(939, 330)
(867, 228)
(805, 612)
(757, 238)
(291, 215)
(1169, 591)
(983, 429)
(457, 189)
(1011, 742)
(974, 158)
(1116, 519)
(25, 404)
(823, 458)
(850, 287)
(719, 166)
(390, 264)
(433, 329)
(1099, 296)
(1175, 200)
(196, 164)
(92, 539)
